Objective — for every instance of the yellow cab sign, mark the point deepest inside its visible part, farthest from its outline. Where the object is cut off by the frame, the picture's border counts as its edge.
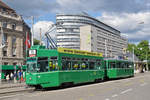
(79, 52)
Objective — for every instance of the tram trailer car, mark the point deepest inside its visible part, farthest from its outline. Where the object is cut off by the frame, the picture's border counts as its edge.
(119, 68)
(52, 68)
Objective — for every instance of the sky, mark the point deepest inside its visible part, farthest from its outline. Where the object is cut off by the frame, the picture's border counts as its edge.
(131, 17)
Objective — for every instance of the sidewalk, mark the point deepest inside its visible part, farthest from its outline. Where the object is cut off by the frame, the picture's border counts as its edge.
(11, 84)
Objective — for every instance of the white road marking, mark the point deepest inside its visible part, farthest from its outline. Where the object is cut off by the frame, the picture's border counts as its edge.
(143, 84)
(115, 95)
(107, 99)
(128, 90)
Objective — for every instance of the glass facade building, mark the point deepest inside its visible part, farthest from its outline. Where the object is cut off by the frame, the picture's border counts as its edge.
(68, 33)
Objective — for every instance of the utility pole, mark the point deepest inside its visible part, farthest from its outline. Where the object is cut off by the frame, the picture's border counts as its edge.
(146, 61)
(133, 57)
(40, 36)
(32, 30)
(105, 48)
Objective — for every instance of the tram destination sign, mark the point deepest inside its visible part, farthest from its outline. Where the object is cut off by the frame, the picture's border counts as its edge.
(79, 52)
(32, 53)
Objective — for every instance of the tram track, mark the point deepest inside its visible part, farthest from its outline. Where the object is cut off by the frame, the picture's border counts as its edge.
(8, 92)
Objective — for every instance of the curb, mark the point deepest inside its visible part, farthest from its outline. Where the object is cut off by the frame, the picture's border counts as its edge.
(13, 86)
(15, 91)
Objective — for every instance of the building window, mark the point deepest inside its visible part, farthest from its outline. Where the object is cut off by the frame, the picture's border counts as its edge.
(14, 63)
(14, 40)
(13, 26)
(5, 37)
(5, 63)
(4, 53)
(14, 46)
(14, 52)
(3, 9)
(5, 24)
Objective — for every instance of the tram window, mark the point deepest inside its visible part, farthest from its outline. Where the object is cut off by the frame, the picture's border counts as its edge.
(123, 65)
(130, 65)
(68, 58)
(31, 67)
(42, 65)
(91, 65)
(98, 63)
(75, 65)
(78, 59)
(73, 59)
(118, 65)
(84, 65)
(66, 65)
(53, 63)
(112, 65)
(126, 65)
(86, 59)
(53, 58)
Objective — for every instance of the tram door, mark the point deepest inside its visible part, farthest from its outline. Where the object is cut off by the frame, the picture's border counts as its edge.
(105, 69)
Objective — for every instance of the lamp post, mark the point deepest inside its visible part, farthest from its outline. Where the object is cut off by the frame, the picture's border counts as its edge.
(105, 48)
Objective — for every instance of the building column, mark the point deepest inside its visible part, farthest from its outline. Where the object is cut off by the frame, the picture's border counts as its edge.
(1, 51)
(18, 47)
(21, 48)
(9, 48)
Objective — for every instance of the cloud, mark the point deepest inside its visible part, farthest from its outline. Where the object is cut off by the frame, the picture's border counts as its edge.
(44, 25)
(125, 15)
(134, 25)
(117, 6)
(34, 7)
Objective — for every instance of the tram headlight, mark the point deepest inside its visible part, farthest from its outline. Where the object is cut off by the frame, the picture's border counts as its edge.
(39, 76)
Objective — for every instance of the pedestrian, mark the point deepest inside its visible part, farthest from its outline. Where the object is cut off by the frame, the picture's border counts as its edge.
(11, 76)
(20, 74)
(7, 77)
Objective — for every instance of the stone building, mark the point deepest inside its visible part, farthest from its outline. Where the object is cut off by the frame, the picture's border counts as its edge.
(14, 31)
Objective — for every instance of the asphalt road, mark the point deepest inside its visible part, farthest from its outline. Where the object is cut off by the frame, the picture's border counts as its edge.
(136, 88)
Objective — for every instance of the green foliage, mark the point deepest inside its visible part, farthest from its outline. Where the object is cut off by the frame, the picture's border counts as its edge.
(141, 50)
(130, 47)
(36, 42)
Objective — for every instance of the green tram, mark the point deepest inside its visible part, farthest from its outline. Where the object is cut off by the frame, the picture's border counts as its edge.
(61, 67)
(51, 68)
(119, 68)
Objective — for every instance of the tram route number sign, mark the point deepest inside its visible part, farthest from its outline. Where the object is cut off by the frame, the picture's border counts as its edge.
(32, 53)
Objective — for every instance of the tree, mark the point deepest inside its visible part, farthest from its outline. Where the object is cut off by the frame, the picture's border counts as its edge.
(130, 47)
(36, 42)
(143, 50)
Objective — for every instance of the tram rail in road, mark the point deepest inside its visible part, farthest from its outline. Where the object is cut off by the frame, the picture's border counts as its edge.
(14, 91)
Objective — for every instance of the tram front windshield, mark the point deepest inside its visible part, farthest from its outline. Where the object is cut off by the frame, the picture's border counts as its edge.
(31, 67)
